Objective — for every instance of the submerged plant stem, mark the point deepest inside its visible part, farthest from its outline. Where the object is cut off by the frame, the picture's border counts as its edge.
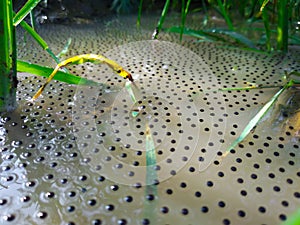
(255, 120)
(282, 27)
(161, 20)
(138, 22)
(184, 12)
(24, 11)
(8, 57)
(265, 18)
(225, 15)
(39, 40)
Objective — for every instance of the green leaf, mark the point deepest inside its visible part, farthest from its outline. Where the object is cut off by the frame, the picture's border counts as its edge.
(213, 35)
(46, 71)
(234, 35)
(293, 219)
(225, 15)
(65, 49)
(161, 20)
(184, 12)
(25, 10)
(263, 5)
(138, 22)
(8, 73)
(266, 20)
(255, 120)
(39, 40)
(196, 33)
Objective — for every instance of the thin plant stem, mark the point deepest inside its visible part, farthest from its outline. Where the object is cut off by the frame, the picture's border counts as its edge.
(225, 15)
(184, 12)
(24, 11)
(32, 20)
(161, 20)
(138, 22)
(8, 57)
(265, 18)
(39, 40)
(205, 19)
(282, 27)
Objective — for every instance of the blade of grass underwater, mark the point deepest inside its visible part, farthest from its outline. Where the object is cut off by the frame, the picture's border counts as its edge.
(8, 56)
(225, 15)
(150, 158)
(151, 177)
(205, 18)
(32, 20)
(265, 18)
(65, 49)
(161, 20)
(184, 12)
(245, 88)
(196, 33)
(39, 40)
(25, 10)
(46, 71)
(282, 27)
(212, 34)
(294, 40)
(293, 219)
(255, 120)
(138, 22)
(234, 35)
(263, 4)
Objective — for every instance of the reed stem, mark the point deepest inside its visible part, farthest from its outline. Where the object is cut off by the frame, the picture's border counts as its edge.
(283, 25)
(8, 57)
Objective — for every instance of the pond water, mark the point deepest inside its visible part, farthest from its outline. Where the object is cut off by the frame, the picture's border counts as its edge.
(150, 152)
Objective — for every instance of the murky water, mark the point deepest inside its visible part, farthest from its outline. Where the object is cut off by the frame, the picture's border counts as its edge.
(148, 152)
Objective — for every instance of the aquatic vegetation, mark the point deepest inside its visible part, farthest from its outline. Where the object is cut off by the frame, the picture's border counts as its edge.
(122, 6)
(256, 119)
(184, 12)
(8, 57)
(107, 109)
(80, 59)
(161, 20)
(45, 72)
(281, 15)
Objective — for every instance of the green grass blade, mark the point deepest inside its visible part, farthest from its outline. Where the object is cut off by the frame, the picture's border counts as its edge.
(266, 19)
(151, 176)
(263, 4)
(24, 11)
(294, 40)
(150, 157)
(213, 35)
(8, 73)
(235, 36)
(225, 15)
(245, 88)
(34, 34)
(184, 12)
(282, 27)
(39, 40)
(32, 20)
(255, 120)
(205, 18)
(65, 49)
(182, 19)
(196, 33)
(138, 22)
(161, 20)
(293, 219)
(46, 71)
